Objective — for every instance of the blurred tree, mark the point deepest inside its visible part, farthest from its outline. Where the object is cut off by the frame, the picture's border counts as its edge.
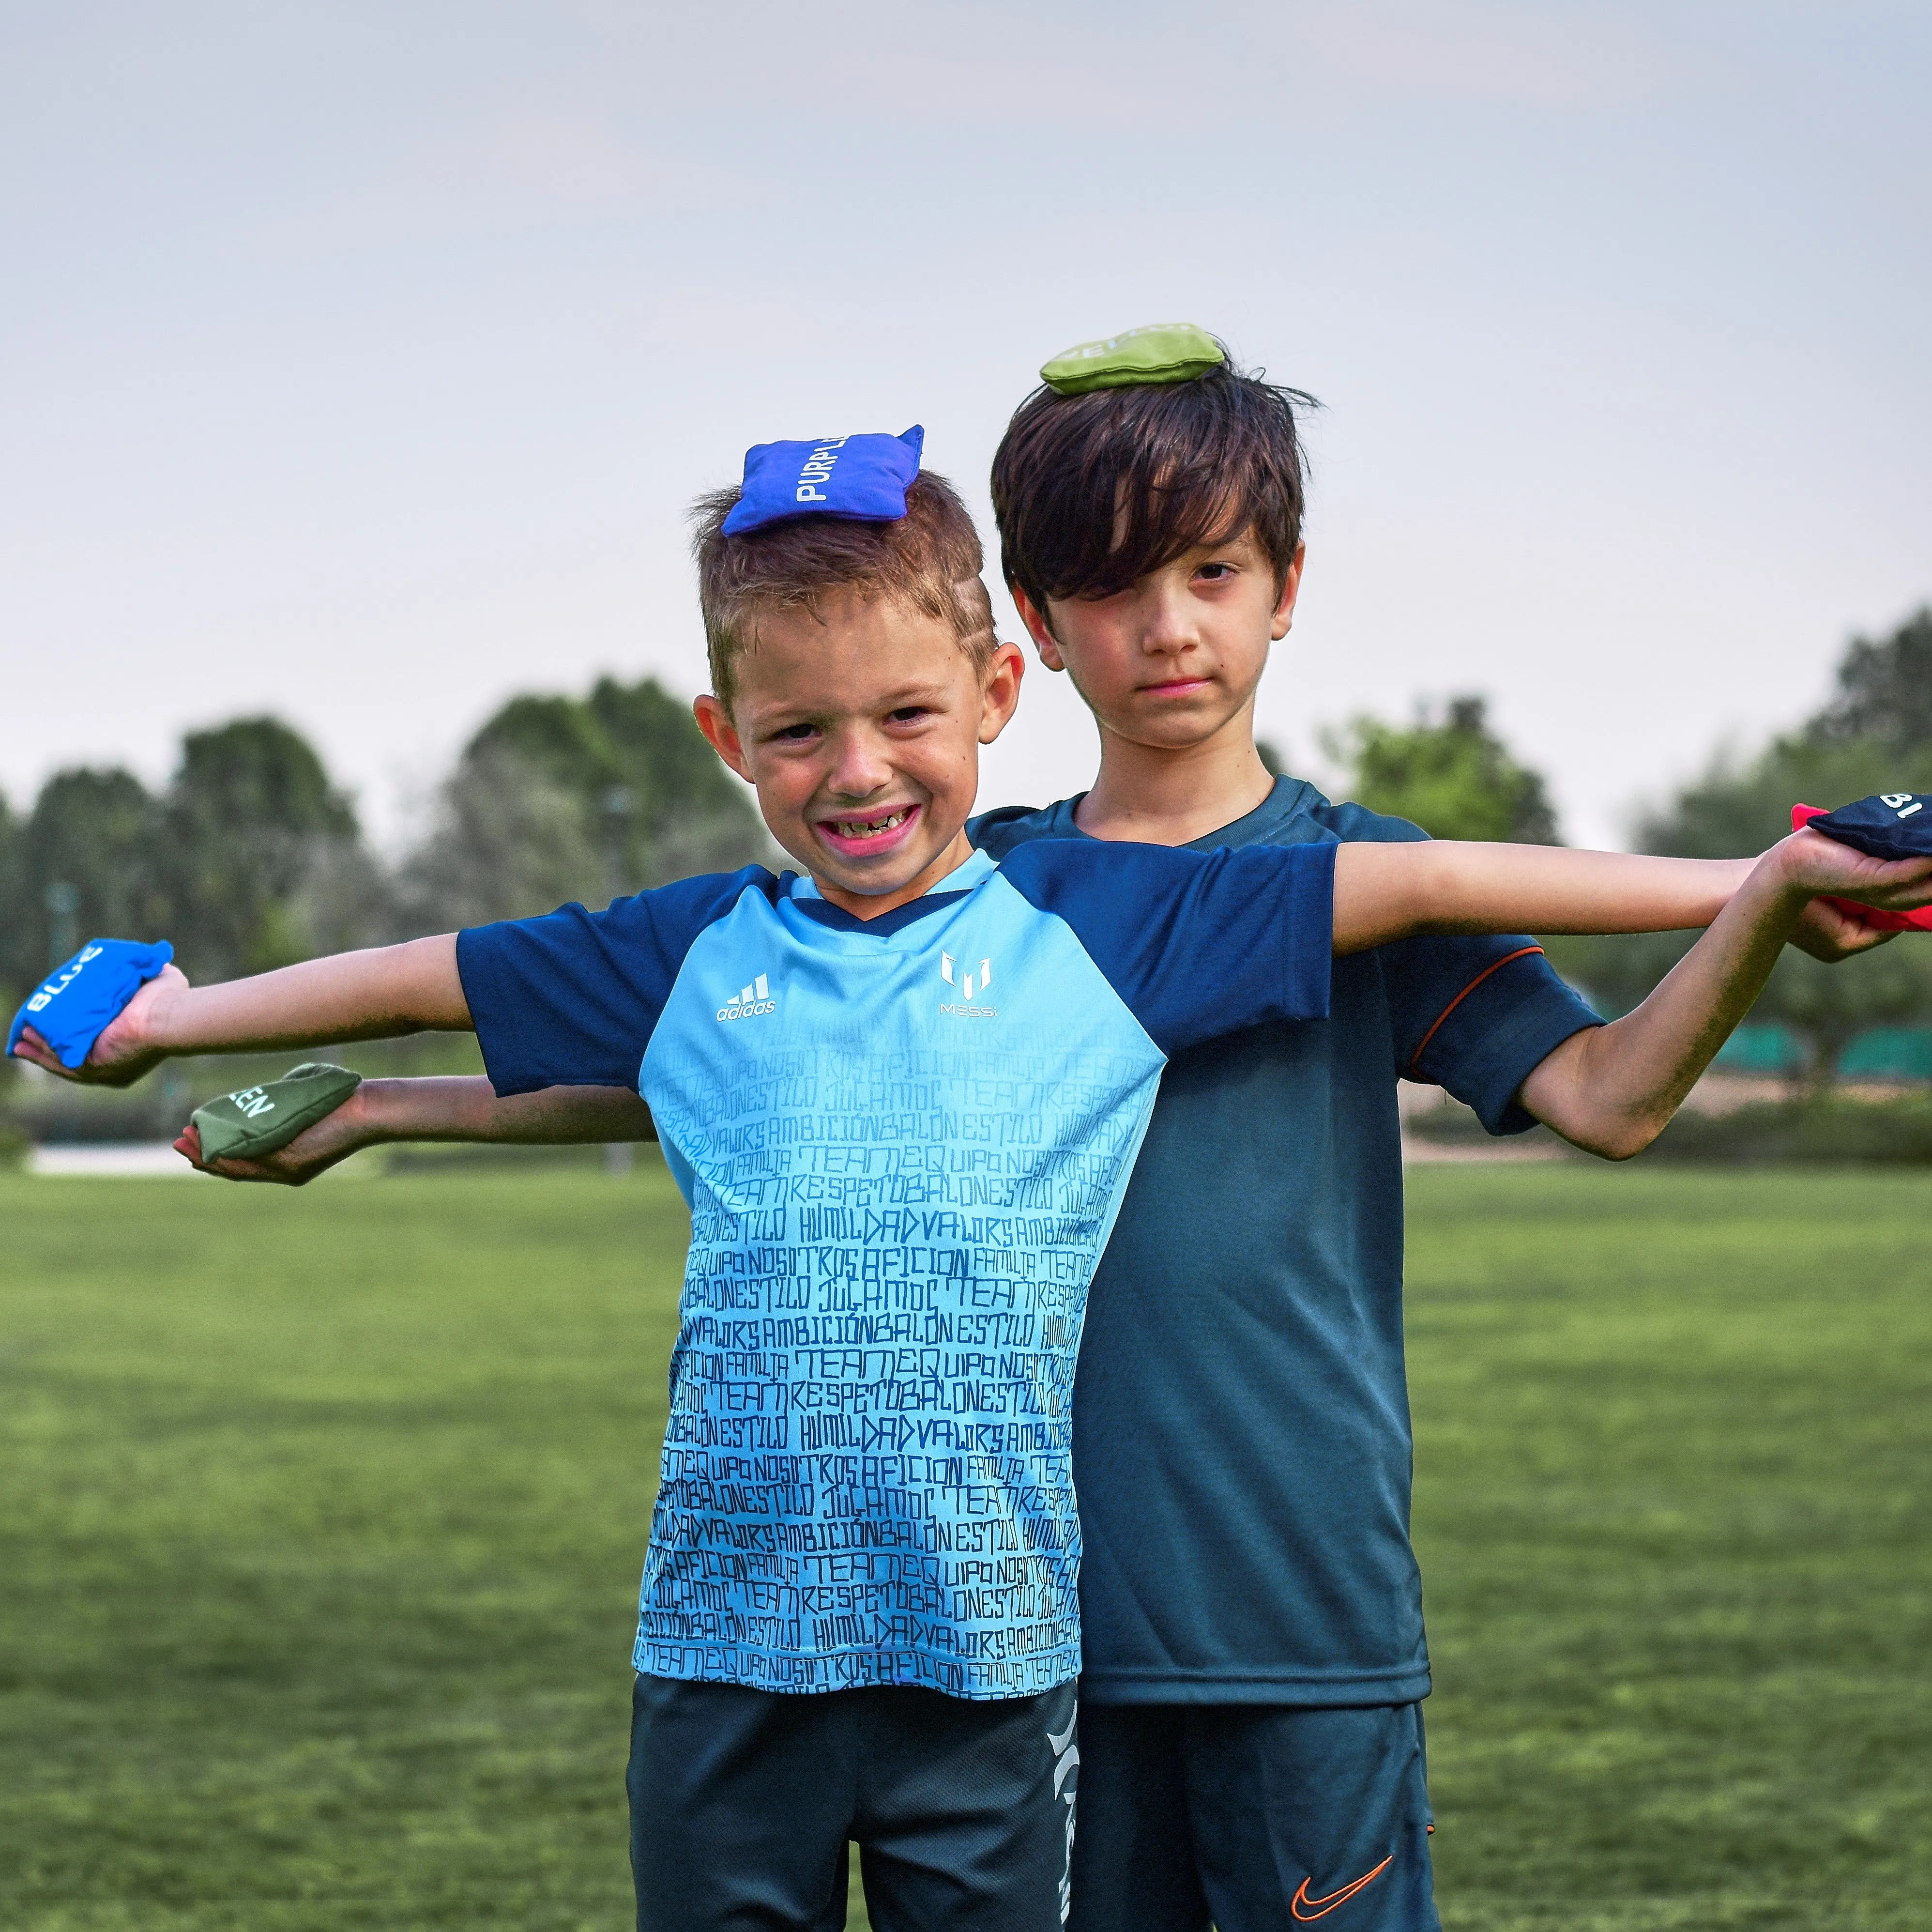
(13, 982)
(657, 804)
(1737, 808)
(1453, 776)
(100, 835)
(253, 858)
(253, 826)
(558, 798)
(12, 877)
(506, 842)
(1885, 690)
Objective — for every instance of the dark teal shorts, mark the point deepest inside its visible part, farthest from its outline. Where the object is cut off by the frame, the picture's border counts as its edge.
(1253, 1818)
(742, 1802)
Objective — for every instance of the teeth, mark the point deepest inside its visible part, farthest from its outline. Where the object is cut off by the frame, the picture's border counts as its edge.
(864, 828)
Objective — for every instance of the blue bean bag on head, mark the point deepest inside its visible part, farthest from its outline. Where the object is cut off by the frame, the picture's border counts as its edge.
(73, 1003)
(864, 478)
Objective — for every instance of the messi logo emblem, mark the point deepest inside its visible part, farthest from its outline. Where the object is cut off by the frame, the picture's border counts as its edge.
(969, 982)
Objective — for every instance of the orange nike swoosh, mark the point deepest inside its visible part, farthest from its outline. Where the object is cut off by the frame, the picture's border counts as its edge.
(1320, 1908)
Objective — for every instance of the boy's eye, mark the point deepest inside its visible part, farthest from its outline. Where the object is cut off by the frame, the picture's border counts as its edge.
(1216, 573)
(794, 734)
(907, 714)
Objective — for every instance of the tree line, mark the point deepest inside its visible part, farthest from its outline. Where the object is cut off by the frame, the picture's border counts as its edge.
(252, 857)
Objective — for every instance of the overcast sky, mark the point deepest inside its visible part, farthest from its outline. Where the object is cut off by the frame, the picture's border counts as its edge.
(357, 361)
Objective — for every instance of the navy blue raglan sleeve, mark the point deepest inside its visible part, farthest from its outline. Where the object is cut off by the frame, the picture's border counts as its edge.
(992, 832)
(1196, 944)
(1477, 1015)
(571, 999)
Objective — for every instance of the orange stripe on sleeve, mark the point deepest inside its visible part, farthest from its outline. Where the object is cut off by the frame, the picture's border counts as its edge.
(1495, 965)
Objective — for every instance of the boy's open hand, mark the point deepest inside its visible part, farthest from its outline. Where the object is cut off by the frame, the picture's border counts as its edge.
(123, 1050)
(1830, 933)
(1826, 867)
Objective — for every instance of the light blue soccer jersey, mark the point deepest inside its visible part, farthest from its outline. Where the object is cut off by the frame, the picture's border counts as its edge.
(904, 1142)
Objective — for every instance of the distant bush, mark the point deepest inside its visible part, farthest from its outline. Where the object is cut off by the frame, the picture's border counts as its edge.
(1809, 1132)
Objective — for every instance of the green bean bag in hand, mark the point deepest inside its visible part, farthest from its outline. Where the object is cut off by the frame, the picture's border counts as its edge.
(244, 1125)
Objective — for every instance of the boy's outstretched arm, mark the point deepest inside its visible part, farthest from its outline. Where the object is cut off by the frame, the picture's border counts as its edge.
(376, 994)
(462, 1107)
(1385, 892)
(1612, 1090)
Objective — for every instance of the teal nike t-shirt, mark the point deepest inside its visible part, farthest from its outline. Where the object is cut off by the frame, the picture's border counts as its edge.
(1241, 1443)
(904, 1142)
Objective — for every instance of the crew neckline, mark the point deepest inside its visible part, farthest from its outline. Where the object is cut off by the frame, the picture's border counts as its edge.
(1287, 798)
(964, 876)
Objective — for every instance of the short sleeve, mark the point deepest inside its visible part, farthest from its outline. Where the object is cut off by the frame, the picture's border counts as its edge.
(572, 999)
(1197, 944)
(1477, 1015)
(993, 833)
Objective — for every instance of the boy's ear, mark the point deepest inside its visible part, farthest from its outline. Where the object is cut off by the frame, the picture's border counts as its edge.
(1000, 696)
(1290, 589)
(1038, 628)
(720, 733)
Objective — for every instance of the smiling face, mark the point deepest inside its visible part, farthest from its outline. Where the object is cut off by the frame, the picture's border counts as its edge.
(860, 728)
(1171, 661)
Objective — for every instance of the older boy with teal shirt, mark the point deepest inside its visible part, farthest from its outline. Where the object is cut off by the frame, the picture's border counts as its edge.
(908, 1089)
(1254, 1658)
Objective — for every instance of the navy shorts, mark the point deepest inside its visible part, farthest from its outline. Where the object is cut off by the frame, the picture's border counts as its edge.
(1252, 1817)
(743, 1801)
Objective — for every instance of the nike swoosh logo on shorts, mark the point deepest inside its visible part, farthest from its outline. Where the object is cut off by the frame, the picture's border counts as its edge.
(1320, 1908)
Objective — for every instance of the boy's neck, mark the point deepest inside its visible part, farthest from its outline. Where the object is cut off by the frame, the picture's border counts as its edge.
(1159, 795)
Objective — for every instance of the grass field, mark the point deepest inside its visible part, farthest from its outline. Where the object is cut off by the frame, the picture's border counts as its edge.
(321, 1514)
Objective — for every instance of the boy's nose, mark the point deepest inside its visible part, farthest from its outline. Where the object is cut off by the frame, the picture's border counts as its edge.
(1168, 622)
(859, 767)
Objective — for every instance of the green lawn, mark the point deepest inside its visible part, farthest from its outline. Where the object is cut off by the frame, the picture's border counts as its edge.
(321, 1514)
(1674, 1503)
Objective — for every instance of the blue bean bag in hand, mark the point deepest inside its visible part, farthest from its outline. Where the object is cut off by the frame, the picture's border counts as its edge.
(1890, 825)
(75, 1003)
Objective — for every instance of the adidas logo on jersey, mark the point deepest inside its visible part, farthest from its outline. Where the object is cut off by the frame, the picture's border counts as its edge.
(756, 998)
(969, 982)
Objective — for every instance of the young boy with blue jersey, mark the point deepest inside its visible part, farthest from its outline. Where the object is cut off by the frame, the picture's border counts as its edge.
(903, 1090)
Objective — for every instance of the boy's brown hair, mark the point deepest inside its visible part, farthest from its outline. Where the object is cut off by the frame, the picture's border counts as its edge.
(929, 559)
(1092, 491)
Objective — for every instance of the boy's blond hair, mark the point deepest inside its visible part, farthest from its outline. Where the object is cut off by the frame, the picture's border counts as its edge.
(929, 559)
